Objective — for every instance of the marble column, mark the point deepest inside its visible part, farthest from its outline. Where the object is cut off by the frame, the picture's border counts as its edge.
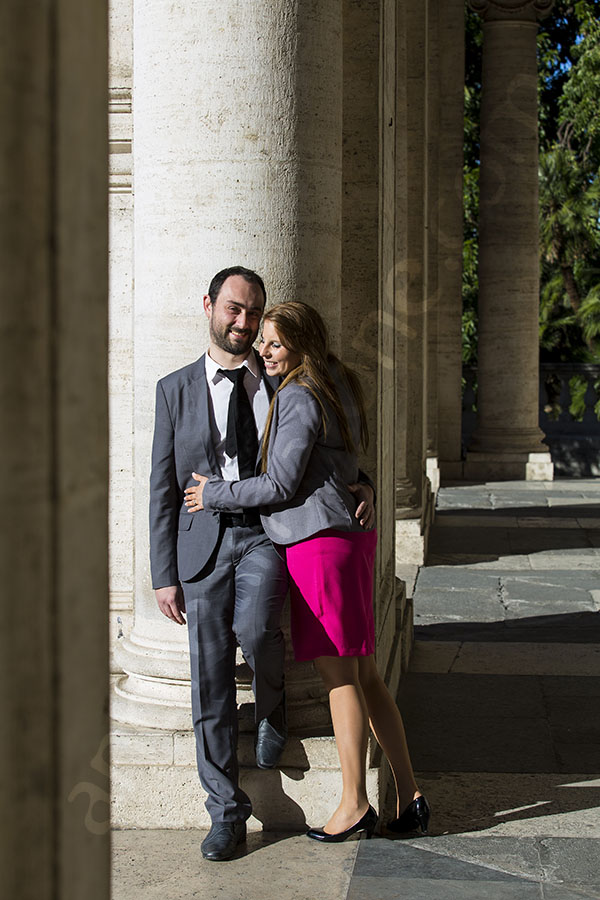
(237, 159)
(120, 348)
(413, 494)
(234, 161)
(450, 238)
(431, 243)
(368, 297)
(54, 839)
(507, 442)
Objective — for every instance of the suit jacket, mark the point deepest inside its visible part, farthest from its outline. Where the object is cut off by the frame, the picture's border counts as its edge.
(305, 488)
(182, 542)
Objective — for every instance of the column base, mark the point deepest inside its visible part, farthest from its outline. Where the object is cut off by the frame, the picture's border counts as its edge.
(412, 532)
(155, 782)
(432, 470)
(508, 467)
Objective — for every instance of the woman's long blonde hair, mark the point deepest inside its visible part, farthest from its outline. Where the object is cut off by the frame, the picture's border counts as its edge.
(302, 330)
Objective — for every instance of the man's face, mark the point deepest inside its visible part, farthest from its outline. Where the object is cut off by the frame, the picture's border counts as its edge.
(235, 315)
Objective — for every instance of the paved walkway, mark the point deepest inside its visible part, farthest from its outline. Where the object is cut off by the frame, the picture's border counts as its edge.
(502, 708)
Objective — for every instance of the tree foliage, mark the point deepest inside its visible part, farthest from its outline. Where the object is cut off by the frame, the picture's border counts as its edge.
(569, 131)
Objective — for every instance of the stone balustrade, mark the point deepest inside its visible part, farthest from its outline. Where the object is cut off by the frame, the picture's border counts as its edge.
(569, 414)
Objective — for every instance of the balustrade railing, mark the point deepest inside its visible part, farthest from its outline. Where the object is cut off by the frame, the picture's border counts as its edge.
(569, 414)
(569, 398)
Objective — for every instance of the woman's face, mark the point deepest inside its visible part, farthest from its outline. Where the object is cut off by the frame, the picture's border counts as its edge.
(277, 358)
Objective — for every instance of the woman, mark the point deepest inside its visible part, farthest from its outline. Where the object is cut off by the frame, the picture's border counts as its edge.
(309, 457)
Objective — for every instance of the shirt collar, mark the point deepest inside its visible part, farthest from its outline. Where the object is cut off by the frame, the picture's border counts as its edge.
(212, 368)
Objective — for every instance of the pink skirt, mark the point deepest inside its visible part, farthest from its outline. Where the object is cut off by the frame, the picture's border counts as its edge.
(331, 591)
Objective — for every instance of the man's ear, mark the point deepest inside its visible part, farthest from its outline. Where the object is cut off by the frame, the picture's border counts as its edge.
(207, 304)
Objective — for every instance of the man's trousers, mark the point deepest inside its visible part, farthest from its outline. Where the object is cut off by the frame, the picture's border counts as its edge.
(238, 597)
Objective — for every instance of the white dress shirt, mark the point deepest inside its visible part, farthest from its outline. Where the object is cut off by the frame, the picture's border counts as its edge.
(220, 388)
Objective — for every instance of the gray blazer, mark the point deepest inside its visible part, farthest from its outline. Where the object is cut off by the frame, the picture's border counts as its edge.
(308, 469)
(182, 542)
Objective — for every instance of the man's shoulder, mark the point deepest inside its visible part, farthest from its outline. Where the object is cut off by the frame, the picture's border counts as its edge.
(186, 375)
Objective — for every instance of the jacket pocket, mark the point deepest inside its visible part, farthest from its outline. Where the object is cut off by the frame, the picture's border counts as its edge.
(185, 521)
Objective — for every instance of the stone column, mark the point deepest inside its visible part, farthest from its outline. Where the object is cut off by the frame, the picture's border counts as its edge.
(120, 352)
(507, 442)
(54, 840)
(450, 237)
(237, 159)
(431, 245)
(413, 496)
(368, 298)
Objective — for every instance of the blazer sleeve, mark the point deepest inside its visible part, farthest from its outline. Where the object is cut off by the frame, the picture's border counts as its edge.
(363, 478)
(297, 420)
(164, 498)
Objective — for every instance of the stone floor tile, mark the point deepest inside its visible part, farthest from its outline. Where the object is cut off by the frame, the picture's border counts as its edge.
(415, 860)
(566, 628)
(548, 522)
(544, 540)
(433, 656)
(469, 606)
(509, 696)
(167, 865)
(561, 862)
(474, 519)
(478, 805)
(574, 860)
(570, 690)
(370, 888)
(572, 892)
(455, 578)
(503, 564)
(529, 659)
(480, 743)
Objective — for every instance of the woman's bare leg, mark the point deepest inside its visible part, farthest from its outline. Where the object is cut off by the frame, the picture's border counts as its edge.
(351, 728)
(388, 728)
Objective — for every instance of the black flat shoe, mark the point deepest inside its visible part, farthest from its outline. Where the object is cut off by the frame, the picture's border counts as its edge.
(366, 823)
(415, 816)
(222, 840)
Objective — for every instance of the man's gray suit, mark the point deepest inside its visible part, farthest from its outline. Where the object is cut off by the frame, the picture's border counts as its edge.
(234, 585)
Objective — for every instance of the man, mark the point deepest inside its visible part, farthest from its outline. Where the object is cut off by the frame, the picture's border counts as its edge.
(220, 568)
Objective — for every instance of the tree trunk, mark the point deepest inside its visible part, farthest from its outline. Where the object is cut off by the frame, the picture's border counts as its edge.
(571, 287)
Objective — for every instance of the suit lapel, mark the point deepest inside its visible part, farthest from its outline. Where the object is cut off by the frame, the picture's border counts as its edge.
(199, 404)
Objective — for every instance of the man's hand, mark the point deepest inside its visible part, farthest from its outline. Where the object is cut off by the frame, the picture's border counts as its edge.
(193, 495)
(365, 511)
(171, 603)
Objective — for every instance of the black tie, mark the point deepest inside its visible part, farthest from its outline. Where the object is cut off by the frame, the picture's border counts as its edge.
(241, 436)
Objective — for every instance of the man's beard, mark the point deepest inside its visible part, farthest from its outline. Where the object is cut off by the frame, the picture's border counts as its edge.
(220, 337)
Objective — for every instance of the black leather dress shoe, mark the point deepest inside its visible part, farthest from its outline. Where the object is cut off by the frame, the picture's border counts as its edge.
(271, 736)
(222, 840)
(367, 823)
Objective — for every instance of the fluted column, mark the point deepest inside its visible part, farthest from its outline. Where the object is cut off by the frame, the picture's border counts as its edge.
(508, 441)
(236, 160)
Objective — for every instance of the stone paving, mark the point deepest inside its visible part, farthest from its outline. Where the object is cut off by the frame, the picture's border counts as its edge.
(502, 709)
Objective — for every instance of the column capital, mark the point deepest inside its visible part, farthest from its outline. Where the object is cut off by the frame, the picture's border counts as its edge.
(511, 10)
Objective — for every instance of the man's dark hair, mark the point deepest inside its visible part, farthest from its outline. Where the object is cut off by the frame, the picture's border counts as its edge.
(247, 274)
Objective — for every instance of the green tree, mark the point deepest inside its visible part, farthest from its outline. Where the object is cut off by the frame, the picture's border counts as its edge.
(569, 129)
(570, 205)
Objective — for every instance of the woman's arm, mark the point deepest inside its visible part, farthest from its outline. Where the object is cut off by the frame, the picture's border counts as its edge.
(296, 425)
